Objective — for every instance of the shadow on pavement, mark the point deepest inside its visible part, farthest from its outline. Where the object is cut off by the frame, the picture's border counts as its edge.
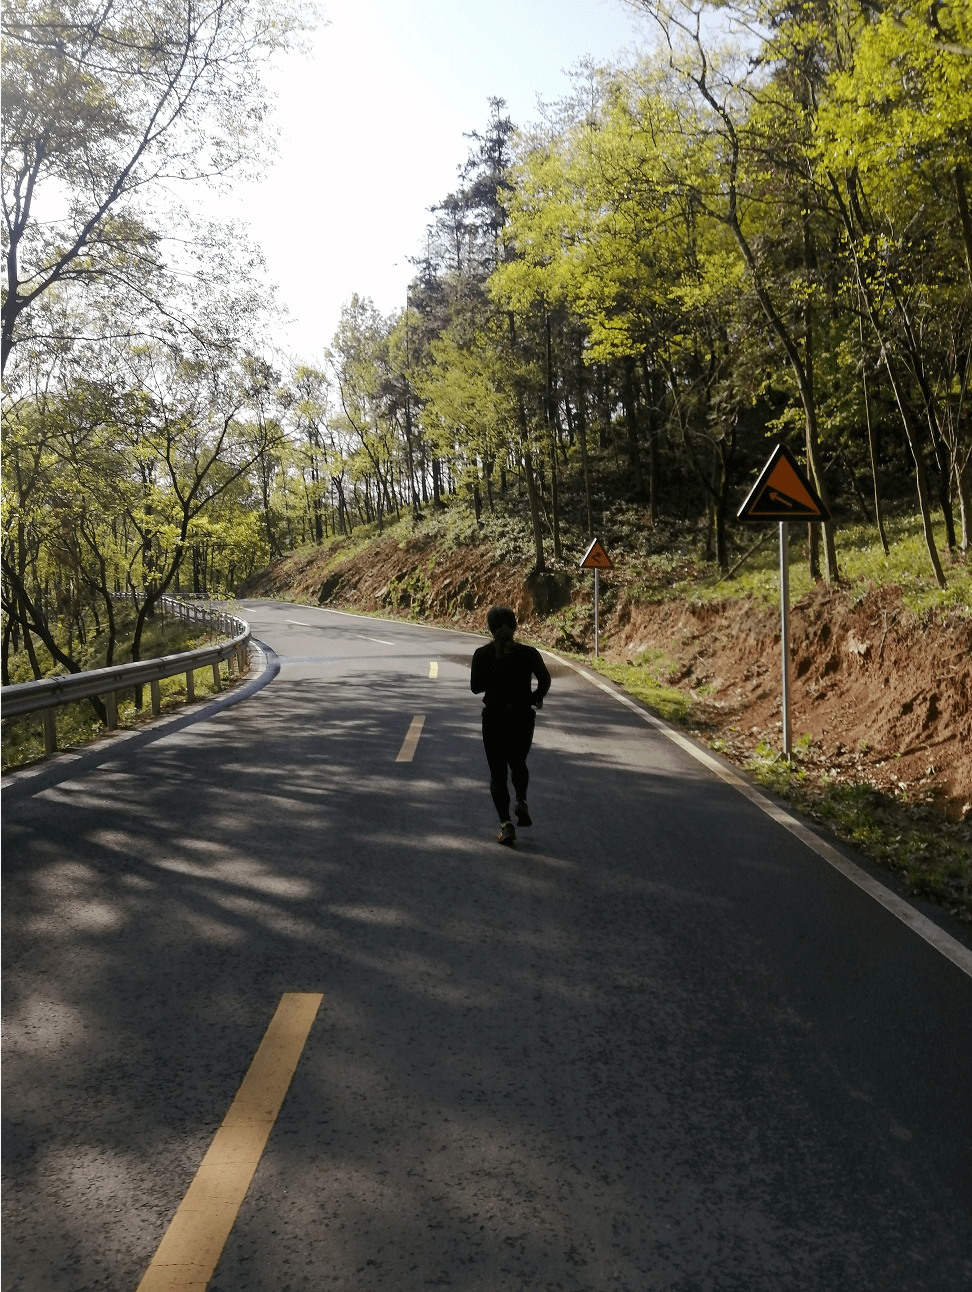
(598, 1061)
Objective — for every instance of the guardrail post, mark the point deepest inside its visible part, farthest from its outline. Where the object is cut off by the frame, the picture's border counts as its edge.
(27, 698)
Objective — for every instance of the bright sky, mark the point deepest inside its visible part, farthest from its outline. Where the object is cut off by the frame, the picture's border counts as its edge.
(372, 132)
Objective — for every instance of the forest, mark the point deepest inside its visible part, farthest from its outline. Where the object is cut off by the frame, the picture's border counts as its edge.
(757, 231)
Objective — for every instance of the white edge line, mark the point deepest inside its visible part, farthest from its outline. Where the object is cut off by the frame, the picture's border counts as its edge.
(936, 937)
(943, 942)
(183, 716)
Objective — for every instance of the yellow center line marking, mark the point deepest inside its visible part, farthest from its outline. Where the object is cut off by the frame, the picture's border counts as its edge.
(433, 668)
(407, 751)
(192, 1245)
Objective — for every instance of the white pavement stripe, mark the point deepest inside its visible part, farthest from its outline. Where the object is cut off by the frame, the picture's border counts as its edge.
(407, 751)
(298, 622)
(943, 942)
(384, 641)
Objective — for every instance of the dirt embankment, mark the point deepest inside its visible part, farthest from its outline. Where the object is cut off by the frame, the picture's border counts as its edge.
(884, 695)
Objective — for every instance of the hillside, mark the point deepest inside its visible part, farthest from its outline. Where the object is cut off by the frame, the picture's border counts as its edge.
(881, 680)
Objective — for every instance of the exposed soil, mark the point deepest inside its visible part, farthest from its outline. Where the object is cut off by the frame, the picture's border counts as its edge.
(885, 696)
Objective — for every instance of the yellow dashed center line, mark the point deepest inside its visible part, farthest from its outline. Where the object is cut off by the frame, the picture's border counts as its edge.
(434, 668)
(192, 1245)
(407, 751)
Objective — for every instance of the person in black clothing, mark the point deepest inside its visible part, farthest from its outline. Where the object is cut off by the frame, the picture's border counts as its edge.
(504, 670)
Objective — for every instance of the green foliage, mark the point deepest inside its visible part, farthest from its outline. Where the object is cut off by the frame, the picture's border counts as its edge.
(862, 559)
(697, 251)
(76, 723)
(640, 678)
(933, 857)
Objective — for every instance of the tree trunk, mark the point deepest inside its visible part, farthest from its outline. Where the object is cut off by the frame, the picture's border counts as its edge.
(5, 652)
(721, 502)
(527, 457)
(864, 295)
(963, 205)
(31, 617)
(534, 506)
(965, 503)
(582, 441)
(552, 437)
(436, 484)
(871, 447)
(631, 421)
(652, 441)
(710, 491)
(804, 384)
(921, 478)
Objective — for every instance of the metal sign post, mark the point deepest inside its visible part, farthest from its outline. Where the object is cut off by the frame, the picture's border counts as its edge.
(783, 493)
(596, 559)
(785, 632)
(597, 575)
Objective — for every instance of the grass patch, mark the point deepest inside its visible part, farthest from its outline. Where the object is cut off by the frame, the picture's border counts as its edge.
(640, 678)
(77, 723)
(933, 856)
(860, 556)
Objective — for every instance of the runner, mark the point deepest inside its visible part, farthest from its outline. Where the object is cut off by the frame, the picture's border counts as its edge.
(504, 669)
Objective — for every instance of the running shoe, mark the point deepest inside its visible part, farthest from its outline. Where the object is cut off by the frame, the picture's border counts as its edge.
(507, 834)
(523, 813)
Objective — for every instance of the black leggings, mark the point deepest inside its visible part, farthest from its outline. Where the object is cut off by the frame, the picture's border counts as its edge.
(507, 737)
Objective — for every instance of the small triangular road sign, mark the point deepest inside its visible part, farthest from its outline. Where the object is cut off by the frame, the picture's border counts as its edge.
(782, 492)
(595, 558)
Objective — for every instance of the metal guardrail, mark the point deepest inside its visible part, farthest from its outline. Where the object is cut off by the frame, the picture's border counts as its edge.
(45, 694)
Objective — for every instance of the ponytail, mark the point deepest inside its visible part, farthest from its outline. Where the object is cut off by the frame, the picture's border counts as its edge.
(503, 640)
(501, 622)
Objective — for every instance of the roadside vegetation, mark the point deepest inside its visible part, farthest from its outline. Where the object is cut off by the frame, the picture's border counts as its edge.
(77, 723)
(705, 248)
(693, 644)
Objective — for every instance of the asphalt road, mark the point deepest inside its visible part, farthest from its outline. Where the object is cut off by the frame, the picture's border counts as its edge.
(659, 1045)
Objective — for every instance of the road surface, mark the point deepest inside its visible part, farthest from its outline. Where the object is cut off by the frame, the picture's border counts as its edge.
(659, 1045)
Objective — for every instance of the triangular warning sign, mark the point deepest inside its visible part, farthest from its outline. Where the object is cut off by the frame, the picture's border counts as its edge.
(595, 558)
(782, 492)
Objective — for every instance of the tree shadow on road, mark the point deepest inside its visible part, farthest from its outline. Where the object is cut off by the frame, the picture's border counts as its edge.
(593, 1061)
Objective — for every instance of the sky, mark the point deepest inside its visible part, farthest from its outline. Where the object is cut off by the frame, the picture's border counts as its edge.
(371, 133)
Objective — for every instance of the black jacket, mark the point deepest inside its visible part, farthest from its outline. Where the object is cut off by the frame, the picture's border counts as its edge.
(507, 680)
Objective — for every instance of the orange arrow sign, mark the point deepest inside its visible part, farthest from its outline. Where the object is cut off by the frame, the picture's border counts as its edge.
(595, 558)
(782, 492)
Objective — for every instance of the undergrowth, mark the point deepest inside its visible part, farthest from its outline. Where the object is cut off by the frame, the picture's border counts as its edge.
(643, 678)
(76, 723)
(860, 557)
(932, 855)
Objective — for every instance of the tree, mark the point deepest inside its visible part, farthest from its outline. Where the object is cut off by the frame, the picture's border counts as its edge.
(105, 104)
